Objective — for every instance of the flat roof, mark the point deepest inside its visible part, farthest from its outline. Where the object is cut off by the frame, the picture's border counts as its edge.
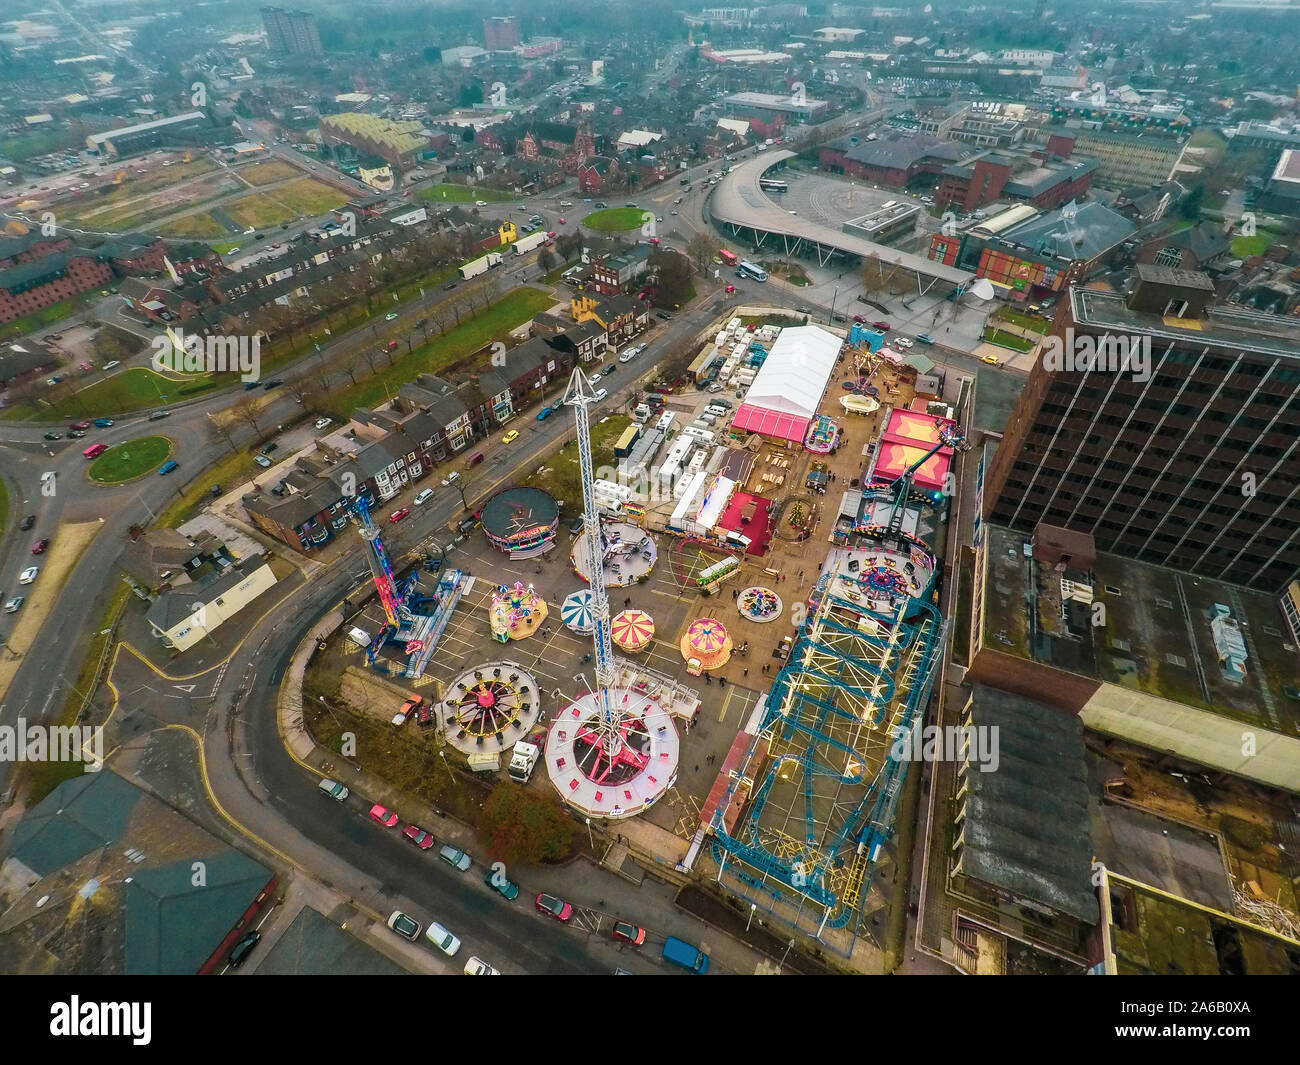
(108, 135)
(739, 201)
(1235, 330)
(1157, 632)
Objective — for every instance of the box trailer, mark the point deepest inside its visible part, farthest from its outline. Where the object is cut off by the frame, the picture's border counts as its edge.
(526, 244)
(480, 265)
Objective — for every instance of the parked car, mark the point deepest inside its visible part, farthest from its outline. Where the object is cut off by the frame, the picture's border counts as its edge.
(628, 933)
(882, 326)
(336, 791)
(29, 574)
(53, 436)
(902, 342)
(321, 423)
(545, 413)
(383, 815)
(423, 497)
(730, 289)
(664, 316)
(14, 604)
(408, 708)
(76, 434)
(924, 338)
(553, 907)
(442, 939)
(268, 448)
(510, 437)
(112, 364)
(456, 858)
(608, 370)
(601, 394)
(451, 478)
(992, 360)
(241, 950)
(39, 547)
(274, 383)
(418, 836)
(79, 425)
(497, 880)
(404, 926)
(398, 515)
(262, 461)
(478, 967)
(391, 316)
(103, 423)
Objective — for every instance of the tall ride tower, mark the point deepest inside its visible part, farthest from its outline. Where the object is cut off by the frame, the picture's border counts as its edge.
(613, 752)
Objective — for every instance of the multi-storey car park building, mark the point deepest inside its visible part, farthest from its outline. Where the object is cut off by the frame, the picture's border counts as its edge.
(1190, 463)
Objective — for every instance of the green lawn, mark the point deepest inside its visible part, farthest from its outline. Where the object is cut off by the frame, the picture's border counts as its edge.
(132, 459)
(200, 225)
(1008, 340)
(287, 203)
(1242, 247)
(465, 194)
(45, 316)
(130, 390)
(495, 321)
(616, 219)
(225, 247)
(1036, 322)
(560, 474)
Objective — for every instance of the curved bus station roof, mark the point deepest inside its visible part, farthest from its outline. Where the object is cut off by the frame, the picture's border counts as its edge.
(739, 202)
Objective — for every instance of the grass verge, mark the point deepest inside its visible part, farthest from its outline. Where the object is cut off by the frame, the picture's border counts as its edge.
(615, 219)
(465, 194)
(508, 312)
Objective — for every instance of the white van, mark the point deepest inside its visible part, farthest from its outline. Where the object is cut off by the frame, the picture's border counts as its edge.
(424, 497)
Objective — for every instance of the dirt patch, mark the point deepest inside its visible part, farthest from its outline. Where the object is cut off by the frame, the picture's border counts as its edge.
(67, 545)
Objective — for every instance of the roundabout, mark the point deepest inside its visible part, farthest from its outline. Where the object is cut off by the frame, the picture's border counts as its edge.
(127, 461)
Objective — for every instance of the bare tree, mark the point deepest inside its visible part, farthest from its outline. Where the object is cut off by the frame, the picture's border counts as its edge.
(216, 430)
(245, 409)
(371, 355)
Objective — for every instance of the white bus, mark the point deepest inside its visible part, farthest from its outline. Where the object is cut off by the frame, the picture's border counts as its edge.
(751, 270)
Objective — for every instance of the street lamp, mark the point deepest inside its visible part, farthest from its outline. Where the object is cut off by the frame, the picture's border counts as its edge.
(590, 838)
(753, 906)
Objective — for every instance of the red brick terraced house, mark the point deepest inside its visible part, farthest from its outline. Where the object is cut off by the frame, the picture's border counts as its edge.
(32, 286)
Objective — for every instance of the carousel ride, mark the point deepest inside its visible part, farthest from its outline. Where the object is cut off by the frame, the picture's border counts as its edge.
(759, 604)
(626, 552)
(612, 751)
(515, 613)
(575, 612)
(705, 645)
(488, 708)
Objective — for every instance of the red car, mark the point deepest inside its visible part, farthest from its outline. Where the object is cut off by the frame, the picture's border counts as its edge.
(39, 547)
(859, 319)
(882, 326)
(392, 344)
(628, 933)
(553, 907)
(418, 836)
(79, 425)
(383, 815)
(731, 289)
(398, 515)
